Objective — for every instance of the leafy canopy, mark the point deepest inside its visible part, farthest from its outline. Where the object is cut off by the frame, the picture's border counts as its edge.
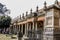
(5, 21)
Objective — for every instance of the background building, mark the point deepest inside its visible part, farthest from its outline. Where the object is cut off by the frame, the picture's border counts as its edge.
(43, 24)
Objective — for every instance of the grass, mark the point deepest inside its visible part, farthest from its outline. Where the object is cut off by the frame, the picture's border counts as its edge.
(7, 37)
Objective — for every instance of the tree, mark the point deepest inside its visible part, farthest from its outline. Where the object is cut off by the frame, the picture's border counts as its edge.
(5, 21)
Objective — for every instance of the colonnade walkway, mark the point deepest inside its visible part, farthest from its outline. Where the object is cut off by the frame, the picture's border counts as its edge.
(8, 37)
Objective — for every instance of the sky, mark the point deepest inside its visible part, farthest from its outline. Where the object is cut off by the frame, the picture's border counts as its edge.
(17, 7)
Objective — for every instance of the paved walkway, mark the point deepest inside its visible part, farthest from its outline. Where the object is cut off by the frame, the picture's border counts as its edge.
(8, 37)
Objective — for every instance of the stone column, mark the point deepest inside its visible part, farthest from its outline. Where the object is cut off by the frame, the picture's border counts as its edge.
(33, 29)
(29, 26)
(19, 27)
(30, 30)
(22, 28)
(33, 26)
(16, 28)
(13, 28)
(25, 29)
(36, 26)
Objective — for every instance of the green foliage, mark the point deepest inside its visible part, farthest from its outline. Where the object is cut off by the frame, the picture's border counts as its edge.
(5, 22)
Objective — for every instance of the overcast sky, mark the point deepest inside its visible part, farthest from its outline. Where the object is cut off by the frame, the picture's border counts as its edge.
(18, 7)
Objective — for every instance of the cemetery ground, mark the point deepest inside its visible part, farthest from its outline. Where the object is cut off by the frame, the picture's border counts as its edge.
(8, 37)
